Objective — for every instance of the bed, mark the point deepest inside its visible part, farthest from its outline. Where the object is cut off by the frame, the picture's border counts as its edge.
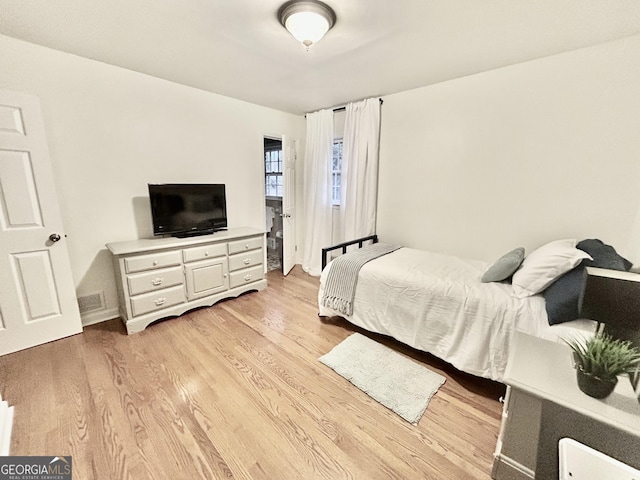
(437, 303)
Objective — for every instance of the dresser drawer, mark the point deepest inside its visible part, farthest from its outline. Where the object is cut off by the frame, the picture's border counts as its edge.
(151, 261)
(203, 252)
(149, 302)
(244, 260)
(154, 280)
(248, 275)
(245, 245)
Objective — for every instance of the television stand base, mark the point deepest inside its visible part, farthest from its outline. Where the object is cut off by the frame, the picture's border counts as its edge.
(193, 234)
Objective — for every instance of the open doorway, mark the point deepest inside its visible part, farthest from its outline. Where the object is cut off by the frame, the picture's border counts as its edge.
(273, 188)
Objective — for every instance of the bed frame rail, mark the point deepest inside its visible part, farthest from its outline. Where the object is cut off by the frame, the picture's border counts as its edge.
(344, 245)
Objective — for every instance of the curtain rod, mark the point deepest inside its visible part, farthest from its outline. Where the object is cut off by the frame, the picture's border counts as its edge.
(340, 109)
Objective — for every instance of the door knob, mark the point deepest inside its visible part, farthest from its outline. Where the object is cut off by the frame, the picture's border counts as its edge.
(54, 237)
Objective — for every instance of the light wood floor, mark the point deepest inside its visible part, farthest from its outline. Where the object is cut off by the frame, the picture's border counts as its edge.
(236, 391)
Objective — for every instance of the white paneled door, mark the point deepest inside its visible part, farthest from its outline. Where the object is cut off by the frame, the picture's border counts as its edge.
(288, 205)
(37, 295)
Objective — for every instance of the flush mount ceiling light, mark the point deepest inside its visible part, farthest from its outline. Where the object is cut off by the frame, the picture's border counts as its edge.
(307, 20)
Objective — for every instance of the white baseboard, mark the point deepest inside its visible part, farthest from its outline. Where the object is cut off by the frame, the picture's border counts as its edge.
(101, 316)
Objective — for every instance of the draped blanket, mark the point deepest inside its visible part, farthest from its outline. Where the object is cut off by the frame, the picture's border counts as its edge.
(342, 278)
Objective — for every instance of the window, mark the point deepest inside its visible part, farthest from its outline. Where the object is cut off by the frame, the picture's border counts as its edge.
(273, 172)
(336, 170)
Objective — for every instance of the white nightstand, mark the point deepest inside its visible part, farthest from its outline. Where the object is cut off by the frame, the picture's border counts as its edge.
(544, 404)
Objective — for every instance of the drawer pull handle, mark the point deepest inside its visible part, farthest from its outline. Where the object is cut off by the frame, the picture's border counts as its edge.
(157, 281)
(206, 254)
(247, 278)
(247, 261)
(155, 262)
(159, 301)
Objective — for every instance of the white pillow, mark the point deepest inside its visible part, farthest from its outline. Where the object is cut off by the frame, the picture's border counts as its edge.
(545, 265)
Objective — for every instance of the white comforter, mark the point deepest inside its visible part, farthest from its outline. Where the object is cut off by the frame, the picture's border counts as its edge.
(436, 303)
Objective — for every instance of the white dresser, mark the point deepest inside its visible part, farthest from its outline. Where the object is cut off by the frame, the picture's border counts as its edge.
(164, 277)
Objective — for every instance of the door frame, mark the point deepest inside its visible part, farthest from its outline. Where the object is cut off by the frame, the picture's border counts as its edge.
(281, 139)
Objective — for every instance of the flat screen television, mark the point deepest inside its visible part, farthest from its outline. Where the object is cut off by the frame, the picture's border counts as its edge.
(186, 209)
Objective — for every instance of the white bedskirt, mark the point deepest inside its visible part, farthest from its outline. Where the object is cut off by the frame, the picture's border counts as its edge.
(436, 303)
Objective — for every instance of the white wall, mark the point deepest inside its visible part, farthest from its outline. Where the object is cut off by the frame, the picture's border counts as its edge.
(111, 131)
(518, 156)
(475, 166)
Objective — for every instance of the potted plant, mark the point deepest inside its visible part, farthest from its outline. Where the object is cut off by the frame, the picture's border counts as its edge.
(599, 360)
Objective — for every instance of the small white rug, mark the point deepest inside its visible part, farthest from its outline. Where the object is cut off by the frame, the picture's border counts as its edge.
(395, 381)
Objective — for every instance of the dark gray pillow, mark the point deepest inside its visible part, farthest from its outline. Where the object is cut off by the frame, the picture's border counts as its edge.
(604, 256)
(562, 296)
(504, 267)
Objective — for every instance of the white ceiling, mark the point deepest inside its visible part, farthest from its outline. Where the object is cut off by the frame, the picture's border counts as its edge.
(239, 49)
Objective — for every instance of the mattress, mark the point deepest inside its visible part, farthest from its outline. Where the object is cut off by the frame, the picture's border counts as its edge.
(436, 303)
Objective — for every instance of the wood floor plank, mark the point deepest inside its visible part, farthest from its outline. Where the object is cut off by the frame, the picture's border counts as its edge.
(236, 391)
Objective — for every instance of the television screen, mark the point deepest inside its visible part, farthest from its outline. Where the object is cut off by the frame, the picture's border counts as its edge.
(187, 209)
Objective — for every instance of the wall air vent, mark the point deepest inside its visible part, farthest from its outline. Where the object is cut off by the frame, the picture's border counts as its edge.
(91, 302)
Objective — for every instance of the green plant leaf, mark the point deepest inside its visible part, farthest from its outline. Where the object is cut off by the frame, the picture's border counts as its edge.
(603, 356)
